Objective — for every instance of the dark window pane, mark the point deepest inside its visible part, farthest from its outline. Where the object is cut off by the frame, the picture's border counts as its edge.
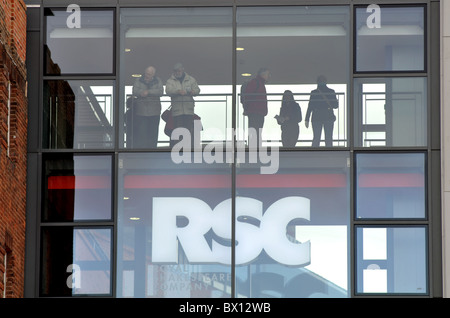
(84, 48)
(78, 188)
(78, 114)
(390, 186)
(391, 260)
(75, 261)
(390, 39)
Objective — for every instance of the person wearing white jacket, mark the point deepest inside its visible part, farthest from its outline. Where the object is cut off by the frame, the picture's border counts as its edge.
(182, 88)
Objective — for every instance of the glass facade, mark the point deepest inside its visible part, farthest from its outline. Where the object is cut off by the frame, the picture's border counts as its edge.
(294, 163)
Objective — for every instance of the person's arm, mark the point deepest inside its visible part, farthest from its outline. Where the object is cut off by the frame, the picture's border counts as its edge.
(195, 89)
(156, 90)
(139, 90)
(171, 88)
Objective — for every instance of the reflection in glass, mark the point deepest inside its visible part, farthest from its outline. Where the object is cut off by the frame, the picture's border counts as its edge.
(77, 188)
(200, 39)
(391, 112)
(297, 45)
(391, 39)
(292, 225)
(79, 42)
(174, 228)
(390, 185)
(78, 114)
(76, 261)
(391, 260)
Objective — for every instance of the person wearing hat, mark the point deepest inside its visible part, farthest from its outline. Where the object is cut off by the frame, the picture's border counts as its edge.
(181, 87)
(322, 101)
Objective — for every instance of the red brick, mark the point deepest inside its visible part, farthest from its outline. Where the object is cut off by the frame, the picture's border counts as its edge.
(12, 166)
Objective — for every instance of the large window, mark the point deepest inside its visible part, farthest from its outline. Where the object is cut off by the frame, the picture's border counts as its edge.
(300, 47)
(292, 225)
(174, 228)
(155, 45)
(334, 201)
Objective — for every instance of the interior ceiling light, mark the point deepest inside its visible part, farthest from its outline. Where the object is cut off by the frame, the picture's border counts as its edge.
(246, 74)
(134, 218)
(136, 75)
(240, 49)
(127, 50)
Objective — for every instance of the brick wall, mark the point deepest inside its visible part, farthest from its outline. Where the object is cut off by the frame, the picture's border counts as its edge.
(13, 146)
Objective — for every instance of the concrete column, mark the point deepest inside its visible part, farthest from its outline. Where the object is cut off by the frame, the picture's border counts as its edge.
(445, 141)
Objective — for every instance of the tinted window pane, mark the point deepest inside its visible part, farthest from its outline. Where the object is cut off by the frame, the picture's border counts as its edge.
(78, 188)
(390, 39)
(75, 261)
(390, 186)
(391, 112)
(72, 48)
(174, 228)
(196, 41)
(78, 114)
(294, 46)
(391, 260)
(291, 225)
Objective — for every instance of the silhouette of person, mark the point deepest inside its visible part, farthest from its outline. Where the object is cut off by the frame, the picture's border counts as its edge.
(181, 87)
(256, 105)
(322, 101)
(289, 118)
(147, 109)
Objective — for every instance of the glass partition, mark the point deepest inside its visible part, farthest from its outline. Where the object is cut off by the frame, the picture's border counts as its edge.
(391, 260)
(76, 261)
(79, 41)
(174, 227)
(188, 53)
(391, 112)
(292, 225)
(390, 185)
(77, 188)
(296, 54)
(390, 38)
(78, 114)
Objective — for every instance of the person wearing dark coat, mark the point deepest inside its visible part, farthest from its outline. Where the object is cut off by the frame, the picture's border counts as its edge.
(322, 101)
(289, 118)
(256, 106)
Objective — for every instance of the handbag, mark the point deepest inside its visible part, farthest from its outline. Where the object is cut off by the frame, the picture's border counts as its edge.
(168, 118)
(170, 125)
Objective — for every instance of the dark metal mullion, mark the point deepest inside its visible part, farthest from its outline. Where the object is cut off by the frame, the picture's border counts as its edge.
(234, 141)
(350, 143)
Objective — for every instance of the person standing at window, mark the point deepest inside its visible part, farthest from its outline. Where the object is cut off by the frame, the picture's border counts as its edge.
(322, 101)
(181, 87)
(255, 106)
(289, 118)
(148, 90)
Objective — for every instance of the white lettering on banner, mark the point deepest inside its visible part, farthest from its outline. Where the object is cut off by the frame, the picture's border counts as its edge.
(255, 231)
